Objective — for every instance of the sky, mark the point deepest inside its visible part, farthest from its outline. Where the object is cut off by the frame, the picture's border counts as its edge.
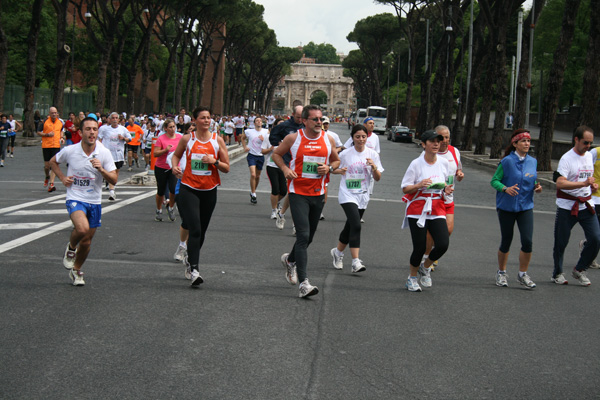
(298, 22)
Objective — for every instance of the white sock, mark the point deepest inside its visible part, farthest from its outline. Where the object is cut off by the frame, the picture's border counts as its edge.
(183, 244)
(521, 273)
(355, 261)
(339, 253)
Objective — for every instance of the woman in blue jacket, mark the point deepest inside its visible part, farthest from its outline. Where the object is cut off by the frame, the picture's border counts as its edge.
(515, 181)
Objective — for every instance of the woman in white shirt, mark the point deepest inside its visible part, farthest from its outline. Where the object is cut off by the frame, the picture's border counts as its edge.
(359, 165)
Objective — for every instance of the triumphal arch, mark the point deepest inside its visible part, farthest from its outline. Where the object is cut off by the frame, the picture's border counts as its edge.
(307, 79)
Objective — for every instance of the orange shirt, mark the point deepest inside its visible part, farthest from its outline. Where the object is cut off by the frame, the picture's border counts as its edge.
(198, 175)
(307, 155)
(52, 142)
(136, 134)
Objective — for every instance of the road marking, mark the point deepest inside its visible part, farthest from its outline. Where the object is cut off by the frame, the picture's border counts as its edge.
(31, 203)
(39, 212)
(67, 224)
(32, 225)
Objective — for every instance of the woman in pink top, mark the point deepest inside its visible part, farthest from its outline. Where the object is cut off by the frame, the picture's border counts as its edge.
(165, 144)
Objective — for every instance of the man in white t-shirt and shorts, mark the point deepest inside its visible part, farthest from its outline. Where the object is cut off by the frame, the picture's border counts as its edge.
(114, 137)
(575, 184)
(451, 154)
(88, 163)
(255, 158)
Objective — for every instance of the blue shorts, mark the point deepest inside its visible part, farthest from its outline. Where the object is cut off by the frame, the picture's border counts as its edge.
(93, 212)
(257, 161)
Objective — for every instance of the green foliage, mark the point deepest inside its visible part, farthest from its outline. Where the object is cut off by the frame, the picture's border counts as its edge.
(319, 97)
(323, 53)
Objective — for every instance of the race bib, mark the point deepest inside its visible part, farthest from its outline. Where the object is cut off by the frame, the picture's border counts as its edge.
(354, 183)
(83, 183)
(198, 167)
(3, 133)
(310, 165)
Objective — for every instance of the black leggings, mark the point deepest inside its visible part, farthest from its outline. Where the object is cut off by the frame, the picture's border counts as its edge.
(438, 228)
(196, 207)
(164, 177)
(306, 211)
(524, 220)
(351, 232)
(278, 182)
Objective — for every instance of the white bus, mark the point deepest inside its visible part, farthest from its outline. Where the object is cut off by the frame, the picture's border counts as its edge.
(359, 116)
(379, 115)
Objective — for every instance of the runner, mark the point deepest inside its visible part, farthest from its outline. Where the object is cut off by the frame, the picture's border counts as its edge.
(89, 162)
(338, 148)
(4, 131)
(358, 165)
(455, 172)
(51, 134)
(252, 140)
(164, 145)
(114, 137)
(515, 181)
(133, 146)
(277, 180)
(424, 186)
(147, 142)
(15, 126)
(312, 159)
(206, 155)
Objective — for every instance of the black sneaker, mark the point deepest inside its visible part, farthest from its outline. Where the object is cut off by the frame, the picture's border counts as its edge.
(253, 199)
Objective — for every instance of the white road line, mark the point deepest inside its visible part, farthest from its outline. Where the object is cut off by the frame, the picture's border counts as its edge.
(39, 212)
(31, 203)
(67, 224)
(31, 225)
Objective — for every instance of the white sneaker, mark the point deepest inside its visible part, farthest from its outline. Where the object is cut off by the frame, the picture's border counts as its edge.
(69, 258)
(357, 266)
(188, 269)
(306, 289)
(322, 217)
(338, 261)
(280, 222)
(196, 278)
(180, 254)
(112, 196)
(412, 284)
(76, 277)
(526, 281)
(425, 276)
(291, 275)
(560, 279)
(273, 214)
(501, 279)
(581, 277)
(594, 265)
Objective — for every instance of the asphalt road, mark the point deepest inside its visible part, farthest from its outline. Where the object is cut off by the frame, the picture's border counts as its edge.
(137, 330)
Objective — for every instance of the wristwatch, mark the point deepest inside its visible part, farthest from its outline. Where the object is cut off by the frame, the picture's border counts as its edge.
(216, 163)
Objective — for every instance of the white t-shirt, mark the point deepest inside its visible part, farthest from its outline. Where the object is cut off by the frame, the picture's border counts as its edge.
(575, 168)
(87, 180)
(336, 138)
(268, 157)
(420, 169)
(239, 122)
(229, 127)
(109, 137)
(354, 185)
(255, 140)
(452, 168)
(372, 142)
(251, 122)
(270, 119)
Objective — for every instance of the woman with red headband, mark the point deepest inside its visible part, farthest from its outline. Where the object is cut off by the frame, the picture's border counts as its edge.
(515, 181)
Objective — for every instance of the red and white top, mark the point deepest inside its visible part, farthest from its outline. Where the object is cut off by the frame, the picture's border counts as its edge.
(307, 154)
(197, 175)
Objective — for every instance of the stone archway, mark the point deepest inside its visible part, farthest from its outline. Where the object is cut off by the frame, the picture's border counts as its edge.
(318, 97)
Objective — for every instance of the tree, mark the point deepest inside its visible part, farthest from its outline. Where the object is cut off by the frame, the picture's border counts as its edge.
(62, 55)
(32, 41)
(3, 61)
(550, 107)
(323, 53)
(591, 86)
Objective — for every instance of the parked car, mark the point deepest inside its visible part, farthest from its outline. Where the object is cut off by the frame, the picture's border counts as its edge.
(399, 134)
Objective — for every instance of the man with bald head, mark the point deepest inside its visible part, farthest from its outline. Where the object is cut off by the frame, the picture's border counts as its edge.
(52, 137)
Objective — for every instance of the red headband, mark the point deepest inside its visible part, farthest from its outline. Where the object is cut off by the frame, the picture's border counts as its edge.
(522, 135)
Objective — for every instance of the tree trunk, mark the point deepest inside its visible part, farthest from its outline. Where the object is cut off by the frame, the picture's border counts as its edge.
(486, 106)
(409, 89)
(215, 77)
(554, 85)
(3, 62)
(501, 87)
(591, 88)
(179, 80)
(32, 43)
(62, 57)
(115, 76)
(145, 77)
(164, 82)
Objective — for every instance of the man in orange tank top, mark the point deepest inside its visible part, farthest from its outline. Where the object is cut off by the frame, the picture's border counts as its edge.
(312, 160)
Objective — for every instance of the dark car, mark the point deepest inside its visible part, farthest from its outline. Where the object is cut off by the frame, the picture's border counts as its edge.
(399, 134)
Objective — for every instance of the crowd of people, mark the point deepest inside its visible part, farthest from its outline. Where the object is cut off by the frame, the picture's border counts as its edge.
(300, 153)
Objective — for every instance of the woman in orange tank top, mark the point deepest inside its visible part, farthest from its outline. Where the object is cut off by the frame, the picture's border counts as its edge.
(205, 156)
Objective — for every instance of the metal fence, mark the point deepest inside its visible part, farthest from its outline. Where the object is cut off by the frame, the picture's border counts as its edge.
(14, 101)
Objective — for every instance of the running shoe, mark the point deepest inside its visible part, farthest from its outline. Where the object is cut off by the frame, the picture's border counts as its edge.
(501, 279)
(46, 182)
(357, 266)
(412, 284)
(306, 289)
(253, 199)
(12, 155)
(112, 196)
(188, 269)
(51, 188)
(581, 276)
(1, 163)
(274, 214)
(158, 216)
(338, 261)
(322, 217)
(69, 258)
(425, 276)
(280, 222)
(560, 279)
(171, 213)
(526, 281)
(76, 277)
(362, 221)
(196, 278)
(290, 270)
(594, 265)
(180, 254)
(129, 169)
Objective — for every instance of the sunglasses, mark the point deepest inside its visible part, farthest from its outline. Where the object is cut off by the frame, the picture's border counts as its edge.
(315, 119)
(587, 143)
